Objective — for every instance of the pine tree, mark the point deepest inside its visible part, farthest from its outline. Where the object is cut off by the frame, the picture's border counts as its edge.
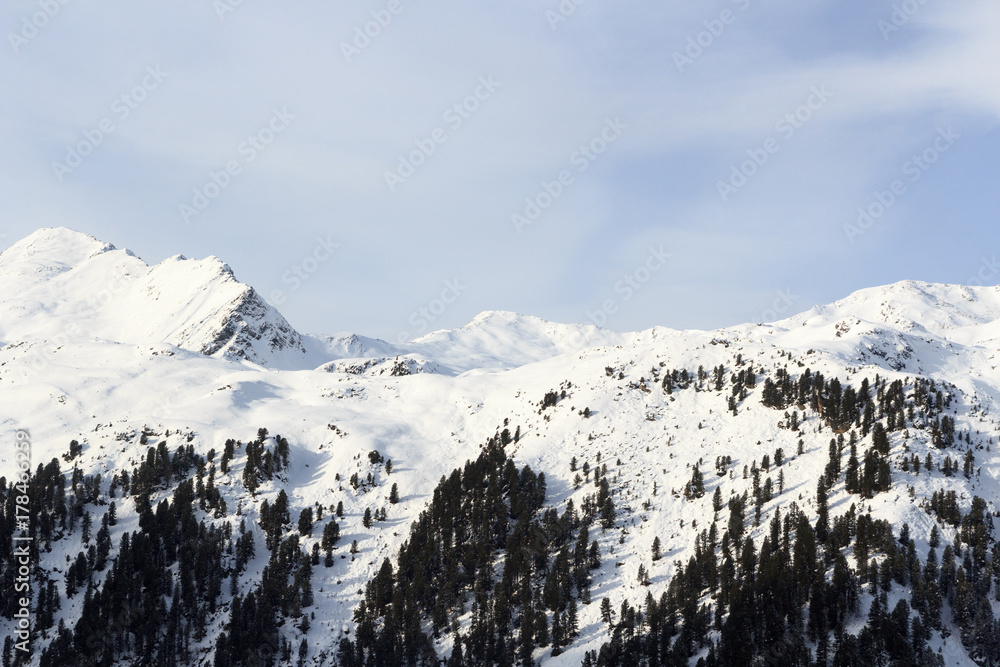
(572, 625)
(605, 504)
(696, 487)
(227, 456)
(250, 480)
(822, 511)
(833, 466)
(736, 522)
(558, 640)
(541, 627)
(594, 555)
(306, 521)
(880, 441)
(85, 527)
(303, 648)
(607, 613)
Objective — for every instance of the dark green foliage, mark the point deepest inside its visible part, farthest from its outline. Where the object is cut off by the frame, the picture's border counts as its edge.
(227, 455)
(331, 535)
(696, 487)
(477, 512)
(173, 556)
(773, 602)
(75, 449)
(306, 521)
(550, 399)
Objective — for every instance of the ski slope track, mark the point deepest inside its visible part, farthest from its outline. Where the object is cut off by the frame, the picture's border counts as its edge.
(99, 347)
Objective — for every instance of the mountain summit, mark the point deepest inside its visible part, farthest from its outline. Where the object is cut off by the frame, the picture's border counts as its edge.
(59, 284)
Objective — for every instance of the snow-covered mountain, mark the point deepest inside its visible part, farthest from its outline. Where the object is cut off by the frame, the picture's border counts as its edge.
(100, 348)
(61, 285)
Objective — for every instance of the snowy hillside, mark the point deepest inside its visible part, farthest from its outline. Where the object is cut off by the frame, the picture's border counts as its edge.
(890, 375)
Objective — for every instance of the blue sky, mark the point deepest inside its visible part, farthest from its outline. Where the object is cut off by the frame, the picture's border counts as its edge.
(832, 99)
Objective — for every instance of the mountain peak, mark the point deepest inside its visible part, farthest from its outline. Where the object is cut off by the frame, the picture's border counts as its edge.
(504, 318)
(503, 339)
(52, 250)
(942, 309)
(57, 280)
(54, 236)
